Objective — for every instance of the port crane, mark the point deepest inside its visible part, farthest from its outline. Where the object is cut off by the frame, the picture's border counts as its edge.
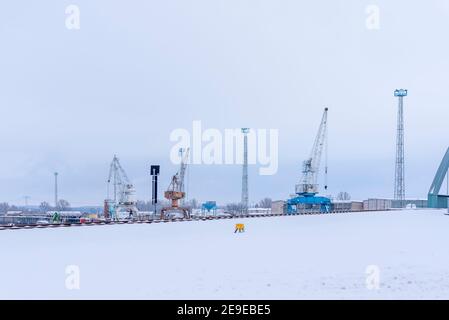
(307, 188)
(176, 190)
(124, 202)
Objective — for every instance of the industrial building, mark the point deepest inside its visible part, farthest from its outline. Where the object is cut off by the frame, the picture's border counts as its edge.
(377, 204)
(343, 205)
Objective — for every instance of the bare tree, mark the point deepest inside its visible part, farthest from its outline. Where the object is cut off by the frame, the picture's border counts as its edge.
(234, 207)
(343, 195)
(193, 203)
(265, 203)
(144, 205)
(63, 205)
(44, 206)
(4, 207)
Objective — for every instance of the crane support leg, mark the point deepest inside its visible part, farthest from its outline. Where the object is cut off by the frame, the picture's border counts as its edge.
(434, 199)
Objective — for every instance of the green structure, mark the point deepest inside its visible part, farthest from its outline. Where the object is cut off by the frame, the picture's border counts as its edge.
(56, 218)
(434, 199)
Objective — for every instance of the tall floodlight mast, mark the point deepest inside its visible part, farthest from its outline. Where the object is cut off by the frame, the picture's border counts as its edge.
(245, 197)
(399, 181)
(56, 190)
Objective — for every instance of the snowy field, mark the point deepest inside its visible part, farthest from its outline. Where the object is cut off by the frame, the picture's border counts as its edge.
(299, 257)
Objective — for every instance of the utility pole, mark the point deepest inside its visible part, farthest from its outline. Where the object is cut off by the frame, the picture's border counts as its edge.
(245, 172)
(114, 163)
(399, 181)
(26, 198)
(56, 190)
(154, 170)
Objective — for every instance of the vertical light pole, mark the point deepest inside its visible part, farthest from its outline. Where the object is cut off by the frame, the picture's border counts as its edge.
(114, 161)
(26, 198)
(245, 171)
(154, 174)
(399, 181)
(56, 190)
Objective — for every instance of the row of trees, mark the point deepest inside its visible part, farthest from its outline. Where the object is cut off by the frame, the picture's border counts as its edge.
(63, 205)
(148, 206)
(194, 204)
(5, 207)
(343, 195)
(266, 202)
(237, 206)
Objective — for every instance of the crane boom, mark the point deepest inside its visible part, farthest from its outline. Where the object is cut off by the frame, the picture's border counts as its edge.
(311, 166)
(177, 182)
(119, 178)
(182, 170)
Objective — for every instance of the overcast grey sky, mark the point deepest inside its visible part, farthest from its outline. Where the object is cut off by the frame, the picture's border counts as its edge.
(136, 70)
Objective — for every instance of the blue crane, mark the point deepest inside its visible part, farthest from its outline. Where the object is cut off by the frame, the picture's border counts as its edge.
(307, 189)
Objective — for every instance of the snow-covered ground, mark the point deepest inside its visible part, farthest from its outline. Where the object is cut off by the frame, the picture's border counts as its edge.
(321, 256)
